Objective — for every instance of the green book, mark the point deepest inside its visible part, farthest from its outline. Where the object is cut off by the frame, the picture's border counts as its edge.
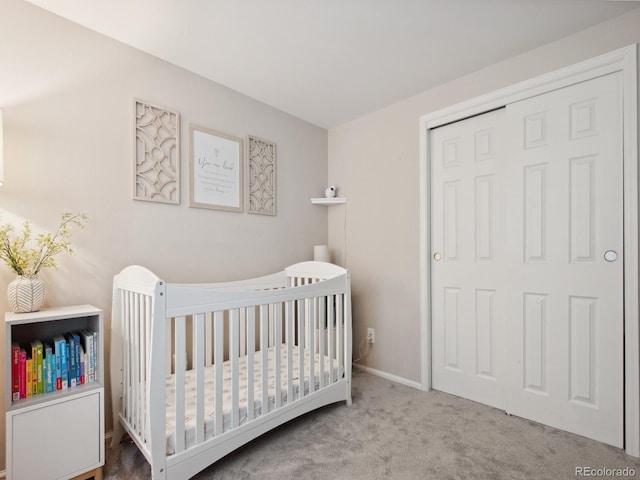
(36, 356)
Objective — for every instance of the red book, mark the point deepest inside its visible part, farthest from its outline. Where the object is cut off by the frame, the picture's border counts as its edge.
(15, 372)
(22, 376)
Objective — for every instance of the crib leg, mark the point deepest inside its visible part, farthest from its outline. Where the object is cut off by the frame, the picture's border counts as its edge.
(349, 402)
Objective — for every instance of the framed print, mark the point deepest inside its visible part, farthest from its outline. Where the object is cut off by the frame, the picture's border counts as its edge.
(215, 170)
(156, 169)
(262, 176)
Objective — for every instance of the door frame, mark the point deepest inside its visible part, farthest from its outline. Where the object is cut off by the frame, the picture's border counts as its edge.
(623, 60)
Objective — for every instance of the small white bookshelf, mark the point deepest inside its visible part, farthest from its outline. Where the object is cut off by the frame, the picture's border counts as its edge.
(57, 435)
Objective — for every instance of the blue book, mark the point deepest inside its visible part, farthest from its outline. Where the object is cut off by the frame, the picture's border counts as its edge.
(60, 348)
(76, 345)
(71, 366)
(68, 367)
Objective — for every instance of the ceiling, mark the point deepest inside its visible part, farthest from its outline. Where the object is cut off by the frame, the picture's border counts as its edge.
(331, 61)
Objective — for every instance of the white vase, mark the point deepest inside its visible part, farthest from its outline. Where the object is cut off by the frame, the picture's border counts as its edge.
(26, 294)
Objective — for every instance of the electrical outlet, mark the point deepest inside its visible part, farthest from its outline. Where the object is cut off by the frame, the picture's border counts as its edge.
(371, 335)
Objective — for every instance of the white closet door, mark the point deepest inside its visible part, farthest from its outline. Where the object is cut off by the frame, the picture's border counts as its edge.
(527, 267)
(468, 259)
(564, 211)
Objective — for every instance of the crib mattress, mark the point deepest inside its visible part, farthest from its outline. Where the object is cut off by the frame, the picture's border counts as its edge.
(210, 389)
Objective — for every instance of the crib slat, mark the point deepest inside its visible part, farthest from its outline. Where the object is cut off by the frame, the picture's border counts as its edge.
(142, 355)
(272, 330)
(332, 329)
(198, 366)
(208, 336)
(301, 340)
(218, 360)
(168, 350)
(264, 362)
(235, 371)
(126, 367)
(322, 325)
(135, 334)
(311, 315)
(132, 392)
(340, 325)
(289, 333)
(251, 347)
(278, 352)
(146, 313)
(180, 367)
(242, 332)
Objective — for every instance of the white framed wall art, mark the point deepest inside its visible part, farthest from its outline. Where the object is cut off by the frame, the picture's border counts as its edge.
(215, 170)
(262, 194)
(156, 175)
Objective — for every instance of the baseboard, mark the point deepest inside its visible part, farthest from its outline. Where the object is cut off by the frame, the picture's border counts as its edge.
(389, 376)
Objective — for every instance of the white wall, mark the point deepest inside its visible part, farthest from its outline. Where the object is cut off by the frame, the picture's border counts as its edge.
(374, 161)
(66, 94)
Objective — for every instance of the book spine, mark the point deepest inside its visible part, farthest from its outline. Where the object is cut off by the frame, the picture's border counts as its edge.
(23, 373)
(59, 349)
(83, 364)
(95, 355)
(49, 377)
(64, 365)
(15, 372)
(39, 369)
(71, 350)
(76, 344)
(88, 347)
(29, 366)
(45, 367)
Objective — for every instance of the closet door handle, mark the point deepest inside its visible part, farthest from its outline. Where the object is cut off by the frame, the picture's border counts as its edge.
(437, 256)
(610, 255)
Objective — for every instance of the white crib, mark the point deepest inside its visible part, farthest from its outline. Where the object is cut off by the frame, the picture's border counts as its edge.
(198, 370)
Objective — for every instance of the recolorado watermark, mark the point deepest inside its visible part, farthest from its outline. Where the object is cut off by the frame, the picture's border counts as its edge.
(599, 472)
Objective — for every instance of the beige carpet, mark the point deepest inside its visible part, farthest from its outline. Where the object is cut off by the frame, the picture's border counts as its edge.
(396, 432)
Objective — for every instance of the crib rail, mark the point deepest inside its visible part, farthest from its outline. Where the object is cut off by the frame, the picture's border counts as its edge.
(279, 340)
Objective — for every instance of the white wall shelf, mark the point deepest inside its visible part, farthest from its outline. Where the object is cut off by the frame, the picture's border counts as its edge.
(328, 201)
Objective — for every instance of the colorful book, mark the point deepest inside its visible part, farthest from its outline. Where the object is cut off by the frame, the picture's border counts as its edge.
(95, 355)
(60, 347)
(66, 345)
(83, 363)
(88, 344)
(76, 352)
(15, 372)
(49, 369)
(29, 368)
(23, 373)
(36, 355)
(71, 355)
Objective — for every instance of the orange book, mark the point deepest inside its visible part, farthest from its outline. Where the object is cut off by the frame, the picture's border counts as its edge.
(29, 377)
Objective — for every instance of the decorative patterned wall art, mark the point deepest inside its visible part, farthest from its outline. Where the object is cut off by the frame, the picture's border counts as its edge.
(157, 154)
(262, 176)
(215, 170)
